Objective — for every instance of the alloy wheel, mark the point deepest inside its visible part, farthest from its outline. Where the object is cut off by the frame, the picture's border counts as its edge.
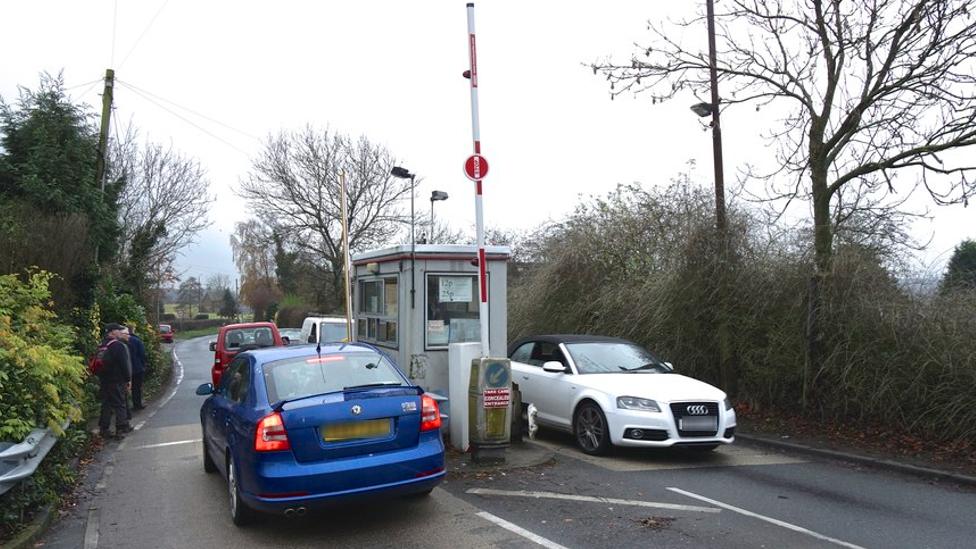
(591, 430)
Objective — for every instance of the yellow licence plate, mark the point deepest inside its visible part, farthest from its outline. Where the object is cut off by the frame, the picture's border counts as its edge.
(351, 430)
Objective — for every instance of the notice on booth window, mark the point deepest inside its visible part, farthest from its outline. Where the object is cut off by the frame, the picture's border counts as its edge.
(436, 332)
(455, 289)
(497, 398)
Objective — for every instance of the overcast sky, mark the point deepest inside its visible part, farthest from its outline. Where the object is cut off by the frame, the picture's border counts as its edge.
(214, 78)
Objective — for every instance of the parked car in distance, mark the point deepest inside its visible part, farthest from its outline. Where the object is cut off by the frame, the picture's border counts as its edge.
(330, 328)
(291, 336)
(235, 338)
(297, 428)
(166, 332)
(608, 391)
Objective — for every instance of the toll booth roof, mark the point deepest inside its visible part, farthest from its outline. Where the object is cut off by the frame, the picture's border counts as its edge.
(432, 251)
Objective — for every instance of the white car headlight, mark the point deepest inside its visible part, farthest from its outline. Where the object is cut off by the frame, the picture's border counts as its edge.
(728, 403)
(634, 403)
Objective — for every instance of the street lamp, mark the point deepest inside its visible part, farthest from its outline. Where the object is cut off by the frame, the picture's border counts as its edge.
(403, 173)
(702, 109)
(434, 196)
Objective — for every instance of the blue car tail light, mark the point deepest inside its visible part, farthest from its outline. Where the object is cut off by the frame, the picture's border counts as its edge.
(271, 436)
(430, 415)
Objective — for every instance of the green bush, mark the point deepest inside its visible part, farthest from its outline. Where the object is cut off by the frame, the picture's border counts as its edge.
(41, 376)
(644, 265)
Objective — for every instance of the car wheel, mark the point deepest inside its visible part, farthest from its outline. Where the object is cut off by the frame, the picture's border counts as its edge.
(208, 463)
(240, 513)
(590, 428)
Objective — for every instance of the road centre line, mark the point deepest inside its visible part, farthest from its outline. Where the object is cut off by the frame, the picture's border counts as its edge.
(770, 520)
(592, 499)
(520, 531)
(162, 444)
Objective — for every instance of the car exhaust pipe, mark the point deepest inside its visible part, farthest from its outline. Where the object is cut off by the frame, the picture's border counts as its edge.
(290, 513)
(300, 512)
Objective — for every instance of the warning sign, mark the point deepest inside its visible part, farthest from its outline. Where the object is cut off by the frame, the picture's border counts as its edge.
(497, 398)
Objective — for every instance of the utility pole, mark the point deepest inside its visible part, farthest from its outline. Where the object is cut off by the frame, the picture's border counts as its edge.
(720, 221)
(724, 333)
(103, 131)
(107, 94)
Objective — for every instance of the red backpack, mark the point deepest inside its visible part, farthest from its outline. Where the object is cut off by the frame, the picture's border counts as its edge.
(97, 362)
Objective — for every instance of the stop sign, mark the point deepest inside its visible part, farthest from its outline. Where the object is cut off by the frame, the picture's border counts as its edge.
(476, 167)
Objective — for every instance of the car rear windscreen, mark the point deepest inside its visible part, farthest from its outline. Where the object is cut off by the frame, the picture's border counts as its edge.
(260, 336)
(300, 377)
(334, 332)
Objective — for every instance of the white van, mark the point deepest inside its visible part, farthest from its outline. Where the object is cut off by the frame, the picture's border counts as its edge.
(331, 328)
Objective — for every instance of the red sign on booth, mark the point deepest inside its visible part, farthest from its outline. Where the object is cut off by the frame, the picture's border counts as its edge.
(476, 167)
(497, 398)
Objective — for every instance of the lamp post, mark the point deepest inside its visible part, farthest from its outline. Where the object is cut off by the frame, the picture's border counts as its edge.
(404, 173)
(706, 109)
(434, 197)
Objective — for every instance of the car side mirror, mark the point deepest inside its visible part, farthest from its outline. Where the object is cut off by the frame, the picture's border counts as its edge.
(669, 366)
(285, 340)
(206, 389)
(213, 346)
(554, 366)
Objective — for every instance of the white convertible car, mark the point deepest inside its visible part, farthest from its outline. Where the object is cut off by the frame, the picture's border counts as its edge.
(609, 391)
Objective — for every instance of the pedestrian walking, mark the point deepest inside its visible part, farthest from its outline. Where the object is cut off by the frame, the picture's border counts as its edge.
(137, 355)
(114, 376)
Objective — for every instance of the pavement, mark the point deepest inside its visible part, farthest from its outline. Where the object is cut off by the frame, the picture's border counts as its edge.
(854, 456)
(528, 454)
(517, 456)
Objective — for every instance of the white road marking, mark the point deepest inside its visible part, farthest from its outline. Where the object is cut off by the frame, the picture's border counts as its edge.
(520, 531)
(179, 379)
(770, 520)
(726, 456)
(91, 529)
(591, 499)
(162, 444)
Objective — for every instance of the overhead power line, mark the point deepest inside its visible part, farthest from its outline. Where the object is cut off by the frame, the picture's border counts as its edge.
(184, 119)
(76, 86)
(141, 36)
(191, 111)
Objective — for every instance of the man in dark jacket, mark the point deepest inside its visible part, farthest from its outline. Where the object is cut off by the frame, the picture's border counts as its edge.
(137, 354)
(114, 378)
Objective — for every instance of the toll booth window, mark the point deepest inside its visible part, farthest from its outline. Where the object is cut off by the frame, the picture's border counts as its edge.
(452, 310)
(376, 311)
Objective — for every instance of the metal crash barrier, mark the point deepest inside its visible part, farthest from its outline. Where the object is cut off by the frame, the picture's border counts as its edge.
(19, 460)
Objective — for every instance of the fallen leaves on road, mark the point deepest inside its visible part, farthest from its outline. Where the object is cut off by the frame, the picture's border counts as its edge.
(656, 523)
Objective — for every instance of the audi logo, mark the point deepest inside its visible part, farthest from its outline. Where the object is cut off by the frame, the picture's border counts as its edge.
(697, 410)
(356, 410)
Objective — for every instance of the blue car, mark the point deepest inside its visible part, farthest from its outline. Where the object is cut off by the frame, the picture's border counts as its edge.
(296, 428)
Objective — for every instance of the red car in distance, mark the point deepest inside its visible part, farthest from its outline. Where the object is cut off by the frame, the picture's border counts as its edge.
(166, 333)
(236, 338)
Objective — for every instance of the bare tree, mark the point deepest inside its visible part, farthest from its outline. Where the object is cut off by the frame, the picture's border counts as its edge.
(872, 89)
(214, 292)
(164, 194)
(254, 249)
(293, 186)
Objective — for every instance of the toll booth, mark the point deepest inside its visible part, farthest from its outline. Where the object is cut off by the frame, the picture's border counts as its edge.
(414, 303)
